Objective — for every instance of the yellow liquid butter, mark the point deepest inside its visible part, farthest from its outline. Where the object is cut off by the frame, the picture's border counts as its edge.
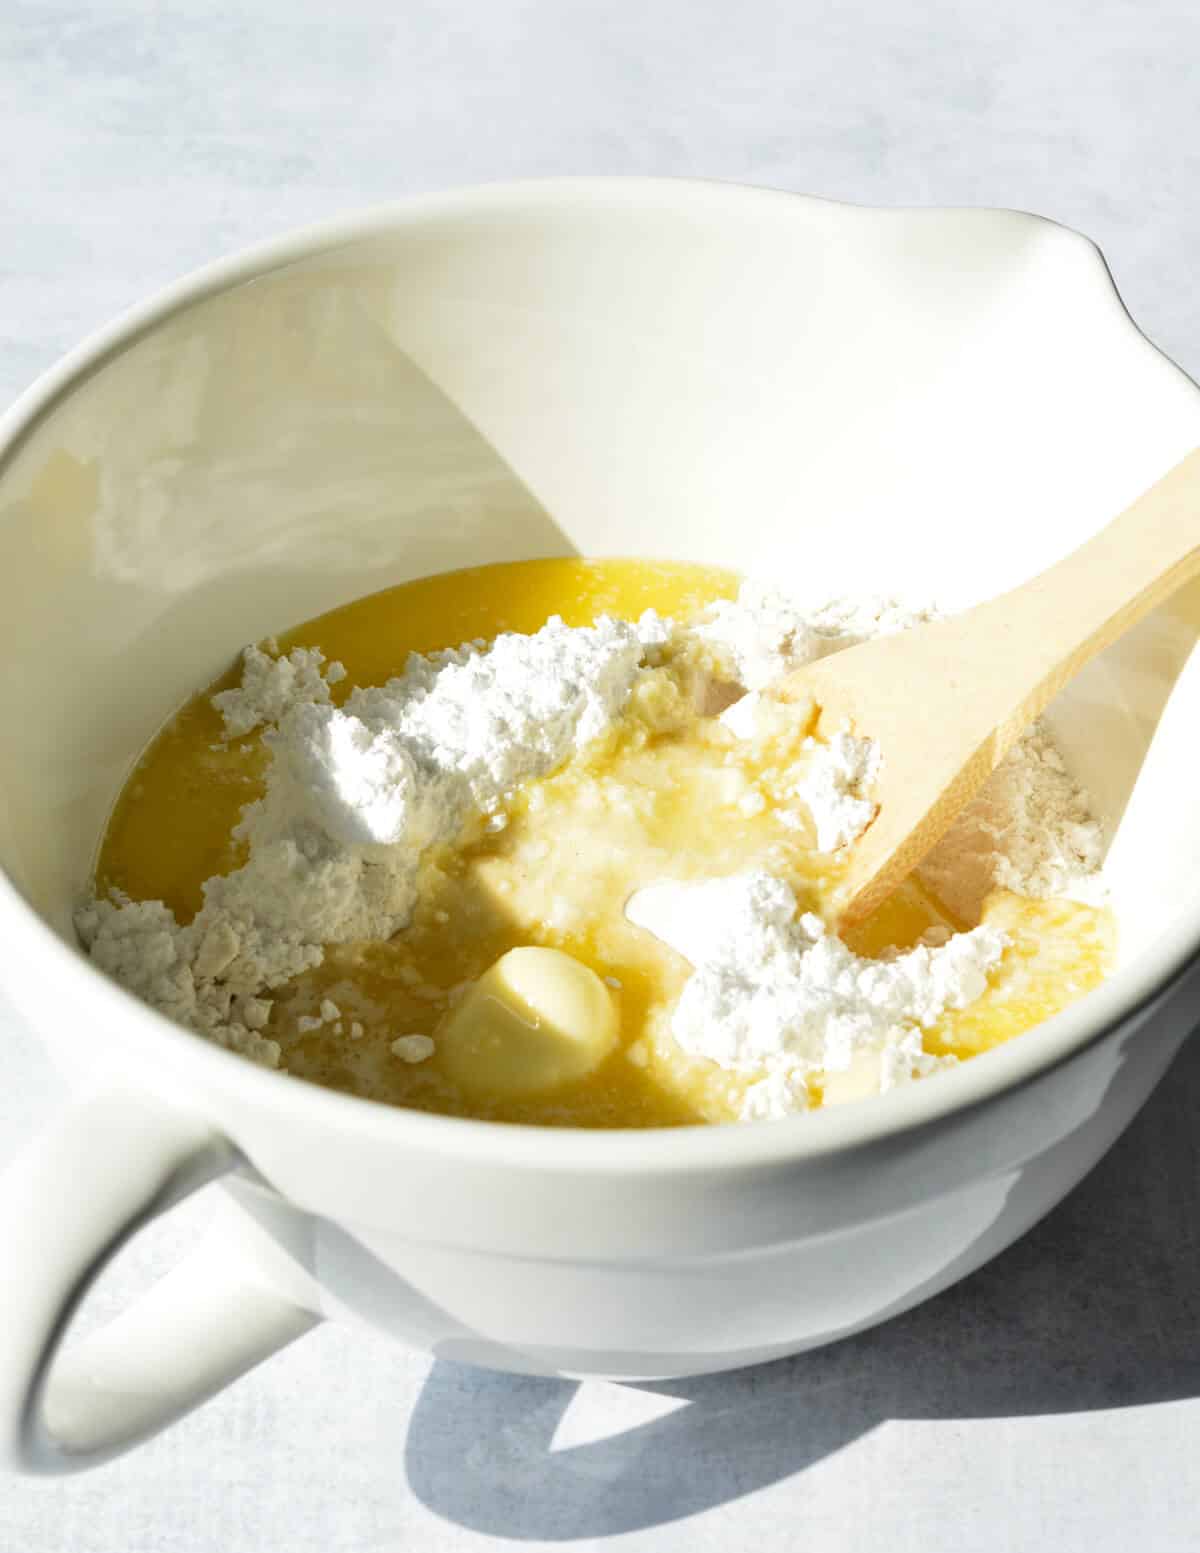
(659, 800)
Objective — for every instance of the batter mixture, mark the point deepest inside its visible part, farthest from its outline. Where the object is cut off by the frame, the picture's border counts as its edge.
(572, 865)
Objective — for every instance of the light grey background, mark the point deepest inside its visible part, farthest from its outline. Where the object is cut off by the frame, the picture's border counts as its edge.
(1051, 1400)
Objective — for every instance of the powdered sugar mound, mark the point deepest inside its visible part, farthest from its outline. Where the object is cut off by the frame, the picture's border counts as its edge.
(765, 633)
(1048, 843)
(403, 765)
(837, 788)
(776, 993)
(342, 781)
(140, 944)
(273, 684)
(489, 721)
(838, 781)
(784, 1092)
(1031, 830)
(354, 798)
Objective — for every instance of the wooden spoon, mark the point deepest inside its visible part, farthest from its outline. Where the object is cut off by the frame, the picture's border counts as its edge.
(946, 701)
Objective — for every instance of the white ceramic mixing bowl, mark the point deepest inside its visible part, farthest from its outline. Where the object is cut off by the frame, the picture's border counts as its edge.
(933, 402)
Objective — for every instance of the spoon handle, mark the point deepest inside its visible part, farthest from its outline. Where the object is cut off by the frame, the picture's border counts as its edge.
(946, 701)
(1067, 614)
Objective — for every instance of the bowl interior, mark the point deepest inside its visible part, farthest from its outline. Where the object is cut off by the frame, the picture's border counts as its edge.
(931, 403)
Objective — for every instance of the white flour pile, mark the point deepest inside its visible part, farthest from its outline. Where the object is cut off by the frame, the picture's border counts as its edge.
(355, 796)
(272, 685)
(776, 993)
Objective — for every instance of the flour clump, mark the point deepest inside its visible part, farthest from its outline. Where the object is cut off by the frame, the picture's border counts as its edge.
(271, 684)
(355, 796)
(764, 632)
(775, 992)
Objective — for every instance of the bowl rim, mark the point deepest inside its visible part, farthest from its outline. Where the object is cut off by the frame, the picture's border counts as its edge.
(37, 948)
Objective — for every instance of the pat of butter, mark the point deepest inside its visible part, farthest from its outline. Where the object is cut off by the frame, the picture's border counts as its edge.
(534, 1020)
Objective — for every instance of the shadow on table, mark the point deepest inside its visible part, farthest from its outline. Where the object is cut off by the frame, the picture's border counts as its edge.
(1098, 1307)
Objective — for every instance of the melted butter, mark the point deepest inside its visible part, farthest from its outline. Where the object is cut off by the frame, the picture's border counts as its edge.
(574, 847)
(1058, 951)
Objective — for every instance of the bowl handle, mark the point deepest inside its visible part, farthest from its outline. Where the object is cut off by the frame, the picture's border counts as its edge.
(67, 1205)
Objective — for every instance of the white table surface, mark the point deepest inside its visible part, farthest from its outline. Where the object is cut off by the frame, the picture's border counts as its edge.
(1052, 1399)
